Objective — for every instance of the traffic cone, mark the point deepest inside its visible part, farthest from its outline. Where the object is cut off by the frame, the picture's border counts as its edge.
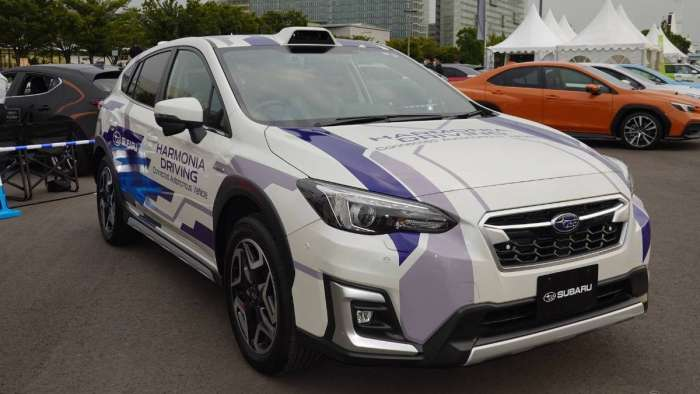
(5, 211)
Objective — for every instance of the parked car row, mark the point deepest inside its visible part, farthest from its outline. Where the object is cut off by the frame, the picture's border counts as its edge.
(590, 101)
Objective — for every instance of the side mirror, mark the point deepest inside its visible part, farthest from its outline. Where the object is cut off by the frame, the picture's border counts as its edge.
(593, 89)
(179, 114)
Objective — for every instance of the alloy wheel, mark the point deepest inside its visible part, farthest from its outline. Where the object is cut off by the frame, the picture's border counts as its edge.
(641, 131)
(106, 200)
(254, 296)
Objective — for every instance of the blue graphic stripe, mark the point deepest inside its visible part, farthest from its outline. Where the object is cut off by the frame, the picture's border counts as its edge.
(139, 187)
(370, 174)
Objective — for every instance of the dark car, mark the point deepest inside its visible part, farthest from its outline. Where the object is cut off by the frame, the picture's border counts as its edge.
(53, 103)
(458, 72)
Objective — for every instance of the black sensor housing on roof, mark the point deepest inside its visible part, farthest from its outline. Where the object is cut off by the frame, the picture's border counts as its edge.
(311, 37)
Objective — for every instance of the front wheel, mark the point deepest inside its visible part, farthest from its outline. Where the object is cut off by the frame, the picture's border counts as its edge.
(258, 292)
(641, 130)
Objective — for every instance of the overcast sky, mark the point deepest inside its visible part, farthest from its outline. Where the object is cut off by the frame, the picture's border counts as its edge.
(642, 12)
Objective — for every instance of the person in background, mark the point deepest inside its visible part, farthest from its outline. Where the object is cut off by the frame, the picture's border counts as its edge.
(3, 90)
(427, 62)
(437, 65)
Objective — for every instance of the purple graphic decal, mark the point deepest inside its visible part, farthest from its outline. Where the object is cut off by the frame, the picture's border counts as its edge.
(263, 175)
(351, 156)
(442, 279)
(642, 218)
(260, 41)
(307, 270)
(554, 137)
(200, 232)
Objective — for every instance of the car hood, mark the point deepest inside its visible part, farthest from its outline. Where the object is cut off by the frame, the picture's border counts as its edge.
(446, 154)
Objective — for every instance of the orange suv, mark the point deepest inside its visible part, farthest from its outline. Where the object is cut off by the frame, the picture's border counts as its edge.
(587, 103)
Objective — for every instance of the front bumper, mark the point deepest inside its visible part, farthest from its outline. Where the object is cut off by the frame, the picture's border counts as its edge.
(475, 333)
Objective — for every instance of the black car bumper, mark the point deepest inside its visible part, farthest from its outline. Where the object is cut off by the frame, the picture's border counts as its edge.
(484, 331)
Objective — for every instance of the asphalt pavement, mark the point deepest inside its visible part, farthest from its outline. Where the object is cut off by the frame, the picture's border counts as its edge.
(79, 316)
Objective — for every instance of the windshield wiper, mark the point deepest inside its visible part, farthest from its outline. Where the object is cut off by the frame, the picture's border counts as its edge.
(467, 115)
(380, 118)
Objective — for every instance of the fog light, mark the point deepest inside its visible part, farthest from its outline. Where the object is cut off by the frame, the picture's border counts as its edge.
(363, 317)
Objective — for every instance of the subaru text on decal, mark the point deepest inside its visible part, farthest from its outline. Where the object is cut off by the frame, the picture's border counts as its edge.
(352, 203)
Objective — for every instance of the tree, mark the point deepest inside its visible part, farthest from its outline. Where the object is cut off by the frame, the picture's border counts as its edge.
(273, 21)
(161, 20)
(471, 50)
(421, 47)
(126, 31)
(63, 32)
(23, 26)
(94, 26)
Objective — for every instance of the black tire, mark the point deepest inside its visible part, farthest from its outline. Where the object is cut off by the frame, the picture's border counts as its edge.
(254, 271)
(110, 207)
(641, 130)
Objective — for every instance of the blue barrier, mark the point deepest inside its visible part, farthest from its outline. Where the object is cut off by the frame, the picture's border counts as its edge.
(5, 211)
(45, 146)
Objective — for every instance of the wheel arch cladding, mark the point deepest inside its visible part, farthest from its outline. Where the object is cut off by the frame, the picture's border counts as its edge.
(631, 108)
(237, 198)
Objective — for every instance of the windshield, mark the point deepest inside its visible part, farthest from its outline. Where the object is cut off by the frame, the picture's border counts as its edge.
(649, 75)
(303, 88)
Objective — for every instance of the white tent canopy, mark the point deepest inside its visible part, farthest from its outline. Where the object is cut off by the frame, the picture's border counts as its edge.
(608, 38)
(671, 52)
(553, 25)
(565, 27)
(532, 35)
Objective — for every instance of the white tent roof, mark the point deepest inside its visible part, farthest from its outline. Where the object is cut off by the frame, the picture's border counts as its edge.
(608, 31)
(670, 50)
(630, 25)
(531, 35)
(553, 25)
(565, 27)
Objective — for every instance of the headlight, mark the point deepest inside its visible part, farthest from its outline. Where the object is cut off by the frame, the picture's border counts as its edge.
(684, 107)
(364, 212)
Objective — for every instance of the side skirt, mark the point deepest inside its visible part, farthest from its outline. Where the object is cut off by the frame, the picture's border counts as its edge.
(171, 247)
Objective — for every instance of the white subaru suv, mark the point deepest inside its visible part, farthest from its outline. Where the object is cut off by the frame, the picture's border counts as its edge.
(351, 202)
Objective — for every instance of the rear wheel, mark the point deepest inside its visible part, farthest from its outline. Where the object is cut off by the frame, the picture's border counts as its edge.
(110, 211)
(259, 299)
(641, 130)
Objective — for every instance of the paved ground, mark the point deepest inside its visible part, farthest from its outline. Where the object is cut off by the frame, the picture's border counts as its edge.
(78, 316)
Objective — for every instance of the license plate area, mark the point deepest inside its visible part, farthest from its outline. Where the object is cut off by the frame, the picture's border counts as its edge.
(566, 293)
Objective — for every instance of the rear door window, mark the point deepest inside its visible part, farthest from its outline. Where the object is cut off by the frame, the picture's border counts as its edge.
(557, 78)
(148, 83)
(523, 77)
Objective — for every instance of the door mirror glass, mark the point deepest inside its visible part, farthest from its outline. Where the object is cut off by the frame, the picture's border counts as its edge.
(180, 114)
(593, 89)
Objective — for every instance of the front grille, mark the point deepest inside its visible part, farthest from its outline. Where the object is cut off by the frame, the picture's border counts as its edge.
(545, 215)
(542, 244)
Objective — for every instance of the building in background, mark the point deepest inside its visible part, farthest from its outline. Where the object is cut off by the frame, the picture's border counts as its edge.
(502, 17)
(400, 17)
(349, 30)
